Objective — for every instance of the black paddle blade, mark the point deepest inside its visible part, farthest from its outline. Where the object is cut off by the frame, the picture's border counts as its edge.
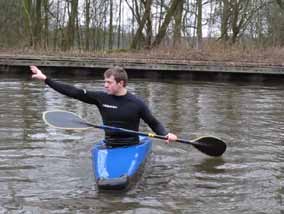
(64, 120)
(210, 145)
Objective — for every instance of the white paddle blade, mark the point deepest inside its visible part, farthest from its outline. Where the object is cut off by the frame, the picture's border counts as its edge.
(64, 120)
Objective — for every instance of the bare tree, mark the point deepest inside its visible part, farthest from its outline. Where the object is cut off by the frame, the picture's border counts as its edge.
(69, 36)
(60, 24)
(110, 33)
(138, 37)
(225, 20)
(178, 23)
(37, 24)
(87, 23)
(27, 7)
(46, 7)
(199, 24)
(168, 17)
(280, 3)
(119, 23)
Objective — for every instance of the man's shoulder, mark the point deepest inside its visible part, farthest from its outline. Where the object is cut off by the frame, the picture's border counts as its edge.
(135, 98)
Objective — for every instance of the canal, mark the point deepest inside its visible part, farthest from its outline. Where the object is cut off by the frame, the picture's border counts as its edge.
(46, 170)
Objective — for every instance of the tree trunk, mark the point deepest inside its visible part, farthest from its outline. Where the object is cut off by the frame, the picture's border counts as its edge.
(280, 3)
(110, 32)
(38, 25)
(235, 17)
(87, 24)
(161, 13)
(225, 20)
(119, 24)
(46, 24)
(199, 24)
(27, 6)
(138, 35)
(162, 31)
(178, 24)
(71, 26)
(149, 34)
(57, 27)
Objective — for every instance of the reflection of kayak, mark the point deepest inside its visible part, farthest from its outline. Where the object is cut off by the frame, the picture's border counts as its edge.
(117, 168)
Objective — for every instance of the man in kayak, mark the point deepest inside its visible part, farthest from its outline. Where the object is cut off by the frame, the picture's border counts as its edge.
(118, 107)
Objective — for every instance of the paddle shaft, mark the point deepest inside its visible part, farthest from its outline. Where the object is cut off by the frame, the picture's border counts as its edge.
(67, 120)
(152, 135)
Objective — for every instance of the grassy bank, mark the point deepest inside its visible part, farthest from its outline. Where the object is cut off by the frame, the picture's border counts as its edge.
(209, 53)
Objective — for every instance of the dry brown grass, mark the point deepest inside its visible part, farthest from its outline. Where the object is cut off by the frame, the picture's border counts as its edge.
(213, 52)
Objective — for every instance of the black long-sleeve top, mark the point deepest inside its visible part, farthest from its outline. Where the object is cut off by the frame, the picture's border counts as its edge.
(118, 111)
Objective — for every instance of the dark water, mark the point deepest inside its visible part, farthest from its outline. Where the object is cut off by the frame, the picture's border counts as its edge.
(44, 170)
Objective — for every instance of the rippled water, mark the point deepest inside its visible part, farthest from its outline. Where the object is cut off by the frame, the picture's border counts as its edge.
(44, 170)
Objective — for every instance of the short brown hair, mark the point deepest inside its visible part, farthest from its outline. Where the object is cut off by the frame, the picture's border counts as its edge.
(118, 73)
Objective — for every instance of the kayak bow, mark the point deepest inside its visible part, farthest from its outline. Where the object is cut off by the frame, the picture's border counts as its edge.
(119, 167)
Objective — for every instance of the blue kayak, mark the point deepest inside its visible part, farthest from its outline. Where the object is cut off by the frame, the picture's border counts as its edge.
(117, 168)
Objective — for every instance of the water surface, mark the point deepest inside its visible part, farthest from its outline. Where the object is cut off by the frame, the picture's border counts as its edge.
(46, 170)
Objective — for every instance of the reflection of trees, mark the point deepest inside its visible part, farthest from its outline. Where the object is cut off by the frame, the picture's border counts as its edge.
(21, 109)
(219, 107)
(190, 107)
(19, 115)
(30, 107)
(159, 103)
(211, 105)
(171, 104)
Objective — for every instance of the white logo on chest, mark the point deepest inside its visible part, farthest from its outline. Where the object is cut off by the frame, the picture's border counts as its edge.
(109, 106)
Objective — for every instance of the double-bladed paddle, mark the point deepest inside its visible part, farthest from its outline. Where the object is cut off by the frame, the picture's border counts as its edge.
(68, 120)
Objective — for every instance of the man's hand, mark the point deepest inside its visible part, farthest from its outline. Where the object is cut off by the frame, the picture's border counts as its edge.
(171, 137)
(37, 74)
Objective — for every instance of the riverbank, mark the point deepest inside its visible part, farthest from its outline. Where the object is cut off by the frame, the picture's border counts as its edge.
(210, 52)
(186, 61)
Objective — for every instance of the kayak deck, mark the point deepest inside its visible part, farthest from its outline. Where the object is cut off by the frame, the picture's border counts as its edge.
(117, 168)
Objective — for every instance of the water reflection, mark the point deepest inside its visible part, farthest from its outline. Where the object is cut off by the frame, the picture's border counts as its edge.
(44, 170)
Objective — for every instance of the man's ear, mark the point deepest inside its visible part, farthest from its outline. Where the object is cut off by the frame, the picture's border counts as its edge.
(122, 83)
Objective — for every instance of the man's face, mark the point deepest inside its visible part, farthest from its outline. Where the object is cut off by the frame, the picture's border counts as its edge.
(112, 87)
